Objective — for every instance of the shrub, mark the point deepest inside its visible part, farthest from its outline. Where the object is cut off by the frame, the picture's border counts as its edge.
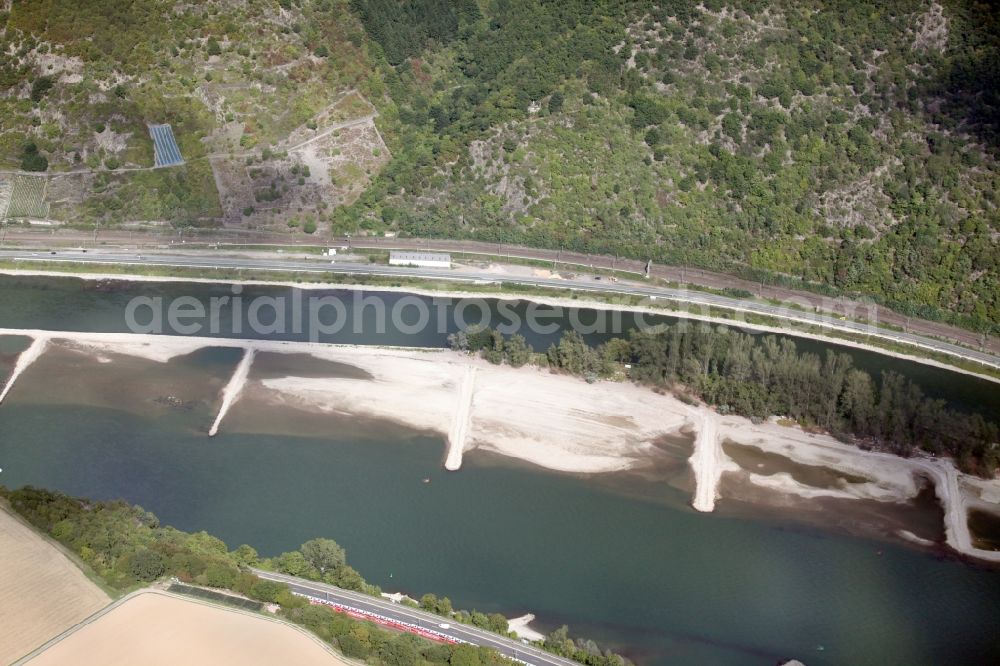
(146, 565)
(220, 575)
(353, 647)
(266, 590)
(32, 160)
(556, 102)
(40, 86)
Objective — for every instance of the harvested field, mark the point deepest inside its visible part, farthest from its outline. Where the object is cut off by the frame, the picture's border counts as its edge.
(152, 628)
(42, 593)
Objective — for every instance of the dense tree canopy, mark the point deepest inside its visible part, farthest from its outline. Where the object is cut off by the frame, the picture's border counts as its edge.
(760, 377)
(126, 546)
(848, 146)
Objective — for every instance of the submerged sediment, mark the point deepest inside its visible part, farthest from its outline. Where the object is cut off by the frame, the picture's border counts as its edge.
(557, 421)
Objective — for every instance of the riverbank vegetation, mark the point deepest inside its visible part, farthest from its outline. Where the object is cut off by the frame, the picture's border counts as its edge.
(843, 147)
(759, 377)
(324, 560)
(127, 548)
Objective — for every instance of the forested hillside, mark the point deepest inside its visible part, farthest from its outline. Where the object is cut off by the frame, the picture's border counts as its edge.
(238, 82)
(849, 144)
(81, 69)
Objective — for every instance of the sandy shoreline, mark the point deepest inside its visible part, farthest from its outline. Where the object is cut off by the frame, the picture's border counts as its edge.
(522, 626)
(889, 478)
(582, 429)
(680, 313)
(563, 423)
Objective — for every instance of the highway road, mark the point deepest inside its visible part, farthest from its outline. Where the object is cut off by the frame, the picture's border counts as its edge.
(165, 238)
(589, 284)
(461, 632)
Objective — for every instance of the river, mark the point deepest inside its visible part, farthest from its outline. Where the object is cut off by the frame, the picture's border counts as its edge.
(621, 559)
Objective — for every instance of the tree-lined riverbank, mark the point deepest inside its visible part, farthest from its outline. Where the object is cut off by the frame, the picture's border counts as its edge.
(561, 422)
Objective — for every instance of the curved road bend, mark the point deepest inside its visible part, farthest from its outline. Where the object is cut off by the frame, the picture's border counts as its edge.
(460, 632)
(466, 275)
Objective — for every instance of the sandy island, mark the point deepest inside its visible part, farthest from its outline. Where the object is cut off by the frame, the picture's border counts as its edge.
(554, 421)
(561, 422)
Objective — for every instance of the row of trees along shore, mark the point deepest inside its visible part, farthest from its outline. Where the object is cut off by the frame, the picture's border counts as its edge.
(127, 548)
(758, 377)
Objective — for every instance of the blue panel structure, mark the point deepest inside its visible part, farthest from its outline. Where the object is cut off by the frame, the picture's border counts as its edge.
(165, 150)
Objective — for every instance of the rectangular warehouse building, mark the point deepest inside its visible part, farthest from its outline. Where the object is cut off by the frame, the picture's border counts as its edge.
(421, 259)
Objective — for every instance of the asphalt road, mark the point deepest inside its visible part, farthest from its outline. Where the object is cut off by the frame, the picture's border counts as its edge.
(461, 632)
(853, 307)
(591, 284)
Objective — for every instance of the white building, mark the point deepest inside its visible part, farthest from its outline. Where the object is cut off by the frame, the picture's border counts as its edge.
(421, 259)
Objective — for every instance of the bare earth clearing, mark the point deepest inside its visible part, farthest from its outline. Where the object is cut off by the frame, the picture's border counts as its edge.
(152, 628)
(42, 593)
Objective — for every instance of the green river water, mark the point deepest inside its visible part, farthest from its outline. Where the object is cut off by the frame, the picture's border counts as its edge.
(622, 559)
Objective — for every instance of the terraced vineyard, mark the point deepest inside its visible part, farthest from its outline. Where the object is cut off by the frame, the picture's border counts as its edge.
(27, 199)
(5, 187)
(119, 90)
